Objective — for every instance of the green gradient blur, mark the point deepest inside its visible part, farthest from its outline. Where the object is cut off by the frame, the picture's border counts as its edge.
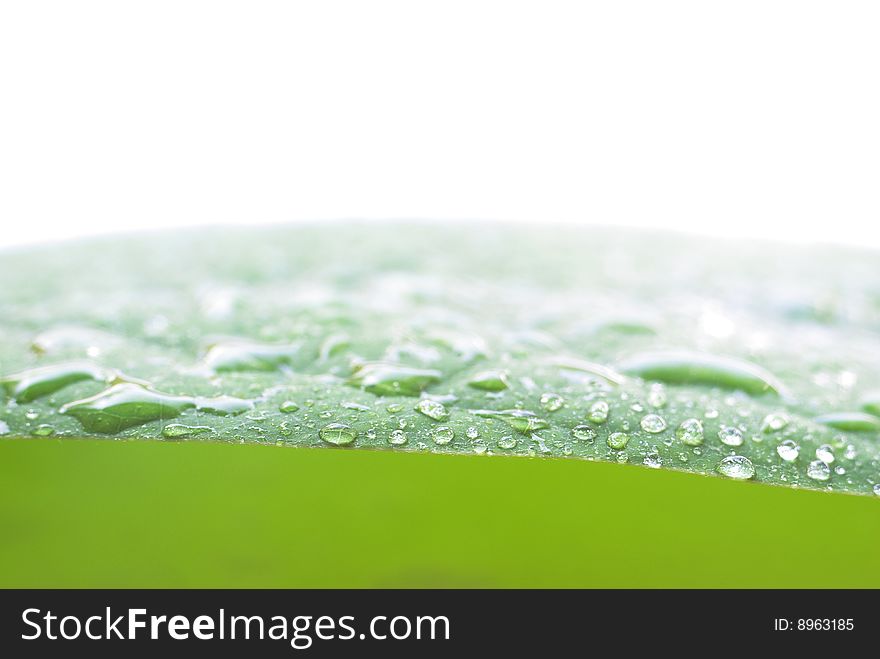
(147, 514)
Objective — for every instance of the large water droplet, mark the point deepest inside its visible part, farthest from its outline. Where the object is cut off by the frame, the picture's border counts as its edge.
(551, 402)
(819, 471)
(690, 432)
(507, 442)
(737, 467)
(699, 368)
(775, 421)
(730, 436)
(617, 441)
(653, 423)
(245, 355)
(384, 379)
(489, 381)
(583, 433)
(442, 435)
(338, 434)
(598, 412)
(397, 437)
(788, 450)
(433, 409)
(180, 430)
(825, 453)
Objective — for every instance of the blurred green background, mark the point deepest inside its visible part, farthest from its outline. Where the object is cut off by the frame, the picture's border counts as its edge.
(150, 514)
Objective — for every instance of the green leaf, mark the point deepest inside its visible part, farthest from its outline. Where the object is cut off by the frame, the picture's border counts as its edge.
(752, 362)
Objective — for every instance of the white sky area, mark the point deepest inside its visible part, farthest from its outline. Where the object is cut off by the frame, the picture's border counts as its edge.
(758, 119)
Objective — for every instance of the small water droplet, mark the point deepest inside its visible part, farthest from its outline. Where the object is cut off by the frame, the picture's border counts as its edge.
(819, 471)
(551, 401)
(489, 381)
(652, 460)
(397, 437)
(825, 454)
(775, 421)
(657, 395)
(617, 440)
(472, 433)
(653, 423)
(394, 408)
(179, 430)
(583, 433)
(850, 452)
(442, 435)
(288, 406)
(730, 436)
(788, 450)
(876, 489)
(737, 467)
(840, 471)
(43, 430)
(507, 442)
(690, 432)
(433, 409)
(598, 412)
(338, 434)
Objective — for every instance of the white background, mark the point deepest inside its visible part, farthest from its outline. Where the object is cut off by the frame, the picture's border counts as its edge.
(734, 118)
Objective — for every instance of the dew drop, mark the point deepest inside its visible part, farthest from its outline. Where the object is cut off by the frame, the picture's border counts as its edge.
(617, 441)
(507, 442)
(598, 412)
(775, 421)
(737, 467)
(652, 460)
(657, 395)
(819, 471)
(338, 434)
(583, 433)
(653, 423)
(876, 489)
(472, 432)
(730, 436)
(442, 435)
(179, 430)
(825, 453)
(397, 437)
(489, 381)
(690, 432)
(433, 409)
(788, 450)
(551, 402)
(43, 430)
(288, 406)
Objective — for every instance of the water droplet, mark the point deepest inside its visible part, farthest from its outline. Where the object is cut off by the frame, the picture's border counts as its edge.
(653, 423)
(489, 381)
(583, 433)
(44, 380)
(359, 407)
(472, 433)
(652, 460)
(179, 430)
(43, 430)
(385, 379)
(681, 367)
(442, 435)
(338, 434)
(730, 436)
(711, 414)
(617, 441)
(774, 422)
(876, 489)
(566, 449)
(825, 453)
(788, 450)
(819, 471)
(657, 395)
(288, 406)
(32, 415)
(246, 355)
(551, 401)
(598, 412)
(394, 408)
(4, 428)
(840, 471)
(850, 421)
(432, 409)
(397, 437)
(507, 442)
(850, 452)
(737, 467)
(522, 421)
(690, 432)
(126, 405)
